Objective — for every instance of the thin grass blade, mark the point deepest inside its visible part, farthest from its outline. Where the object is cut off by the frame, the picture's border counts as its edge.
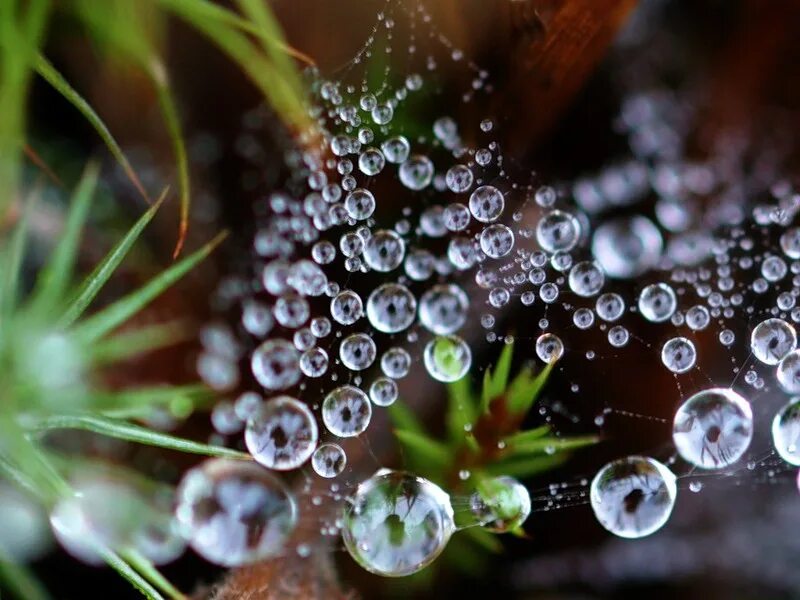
(92, 285)
(170, 113)
(54, 279)
(19, 581)
(133, 433)
(149, 571)
(49, 73)
(140, 340)
(121, 566)
(117, 313)
(14, 256)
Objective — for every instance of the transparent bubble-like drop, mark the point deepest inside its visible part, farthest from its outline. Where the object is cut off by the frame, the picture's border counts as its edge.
(502, 505)
(383, 391)
(443, 309)
(357, 351)
(346, 307)
(713, 428)
(396, 149)
(84, 523)
(558, 231)
(486, 203)
(384, 251)
(627, 247)
(281, 434)
(416, 172)
(360, 204)
(657, 302)
(678, 355)
(328, 460)
(276, 364)
(771, 340)
(458, 179)
(314, 362)
(586, 279)
(346, 411)
(788, 372)
(786, 432)
(447, 358)
(698, 318)
(233, 512)
(396, 523)
(610, 307)
(395, 363)
(633, 497)
(549, 348)
(391, 308)
(497, 241)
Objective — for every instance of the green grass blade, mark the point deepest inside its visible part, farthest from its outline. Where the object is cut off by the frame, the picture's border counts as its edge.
(273, 41)
(524, 390)
(149, 571)
(138, 402)
(13, 258)
(18, 581)
(54, 279)
(92, 285)
(121, 566)
(139, 340)
(117, 313)
(123, 430)
(404, 418)
(203, 9)
(170, 114)
(21, 32)
(287, 101)
(432, 453)
(49, 73)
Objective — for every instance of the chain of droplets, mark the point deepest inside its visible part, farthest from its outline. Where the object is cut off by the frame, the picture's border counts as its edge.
(535, 262)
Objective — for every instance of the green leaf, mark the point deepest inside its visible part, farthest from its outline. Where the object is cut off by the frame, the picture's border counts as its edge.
(54, 278)
(547, 445)
(461, 411)
(495, 385)
(527, 436)
(49, 73)
(524, 390)
(123, 430)
(114, 315)
(92, 285)
(527, 465)
(18, 581)
(148, 570)
(404, 418)
(432, 453)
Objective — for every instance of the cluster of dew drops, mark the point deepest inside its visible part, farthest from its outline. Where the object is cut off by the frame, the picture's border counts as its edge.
(345, 303)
